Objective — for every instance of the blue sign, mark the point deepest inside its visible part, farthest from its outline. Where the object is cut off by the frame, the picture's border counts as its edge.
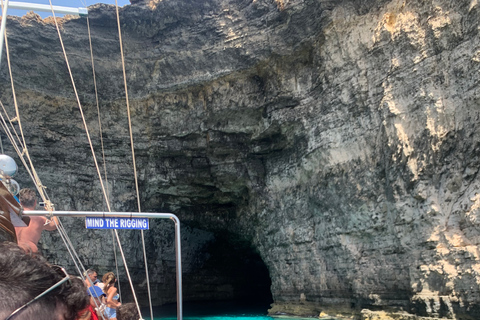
(116, 223)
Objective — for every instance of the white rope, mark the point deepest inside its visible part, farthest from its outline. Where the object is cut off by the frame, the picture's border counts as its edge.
(80, 106)
(102, 144)
(23, 151)
(33, 173)
(13, 127)
(98, 107)
(116, 262)
(59, 226)
(64, 236)
(126, 268)
(19, 151)
(30, 169)
(7, 131)
(36, 179)
(93, 151)
(62, 230)
(133, 159)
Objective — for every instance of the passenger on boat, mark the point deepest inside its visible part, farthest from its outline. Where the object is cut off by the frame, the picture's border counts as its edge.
(31, 288)
(28, 237)
(112, 295)
(84, 315)
(97, 304)
(128, 311)
(92, 275)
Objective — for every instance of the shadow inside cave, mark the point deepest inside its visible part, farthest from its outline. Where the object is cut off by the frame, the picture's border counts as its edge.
(234, 274)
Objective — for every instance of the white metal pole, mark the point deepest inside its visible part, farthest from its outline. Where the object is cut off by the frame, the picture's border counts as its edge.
(35, 7)
(2, 28)
(178, 254)
(97, 214)
(47, 8)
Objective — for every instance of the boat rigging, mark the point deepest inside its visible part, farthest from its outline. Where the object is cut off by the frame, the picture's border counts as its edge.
(22, 151)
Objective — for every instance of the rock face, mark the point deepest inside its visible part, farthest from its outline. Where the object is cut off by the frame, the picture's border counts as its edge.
(333, 141)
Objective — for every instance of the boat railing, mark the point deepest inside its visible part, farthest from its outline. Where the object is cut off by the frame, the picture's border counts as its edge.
(99, 214)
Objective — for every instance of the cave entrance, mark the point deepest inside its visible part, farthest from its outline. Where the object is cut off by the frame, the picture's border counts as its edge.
(233, 273)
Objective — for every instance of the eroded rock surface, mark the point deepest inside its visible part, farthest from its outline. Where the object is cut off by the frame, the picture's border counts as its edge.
(337, 139)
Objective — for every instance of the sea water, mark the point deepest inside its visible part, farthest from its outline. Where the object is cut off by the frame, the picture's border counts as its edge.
(227, 310)
(216, 311)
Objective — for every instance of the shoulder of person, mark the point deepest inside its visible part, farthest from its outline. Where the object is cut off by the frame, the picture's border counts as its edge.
(38, 220)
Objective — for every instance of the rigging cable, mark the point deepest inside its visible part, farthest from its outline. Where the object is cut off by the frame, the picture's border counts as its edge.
(98, 107)
(133, 159)
(32, 172)
(12, 140)
(10, 119)
(116, 263)
(35, 178)
(101, 141)
(59, 226)
(30, 169)
(81, 269)
(79, 105)
(93, 151)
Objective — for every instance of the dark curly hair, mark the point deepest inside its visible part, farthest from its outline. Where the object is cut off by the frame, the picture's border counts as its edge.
(128, 311)
(28, 198)
(23, 276)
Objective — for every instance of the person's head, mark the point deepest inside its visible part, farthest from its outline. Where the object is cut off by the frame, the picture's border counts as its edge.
(24, 276)
(96, 295)
(128, 311)
(28, 198)
(92, 274)
(108, 280)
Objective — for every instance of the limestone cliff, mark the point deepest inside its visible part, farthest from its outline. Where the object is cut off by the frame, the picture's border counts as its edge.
(335, 139)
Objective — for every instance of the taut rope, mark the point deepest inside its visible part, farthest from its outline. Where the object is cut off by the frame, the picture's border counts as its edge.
(23, 151)
(133, 159)
(98, 108)
(80, 106)
(93, 151)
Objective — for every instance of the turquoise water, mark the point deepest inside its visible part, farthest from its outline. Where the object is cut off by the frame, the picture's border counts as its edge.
(224, 310)
(220, 317)
(212, 311)
(224, 317)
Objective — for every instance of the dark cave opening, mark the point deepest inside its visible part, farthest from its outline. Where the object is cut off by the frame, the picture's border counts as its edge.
(233, 272)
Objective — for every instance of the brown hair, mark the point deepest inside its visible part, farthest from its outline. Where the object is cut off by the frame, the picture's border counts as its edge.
(109, 280)
(28, 198)
(23, 276)
(128, 311)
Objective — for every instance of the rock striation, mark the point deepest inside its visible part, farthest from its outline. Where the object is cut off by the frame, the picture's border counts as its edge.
(330, 146)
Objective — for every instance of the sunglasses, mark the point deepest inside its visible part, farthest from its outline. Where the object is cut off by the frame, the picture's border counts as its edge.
(60, 271)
